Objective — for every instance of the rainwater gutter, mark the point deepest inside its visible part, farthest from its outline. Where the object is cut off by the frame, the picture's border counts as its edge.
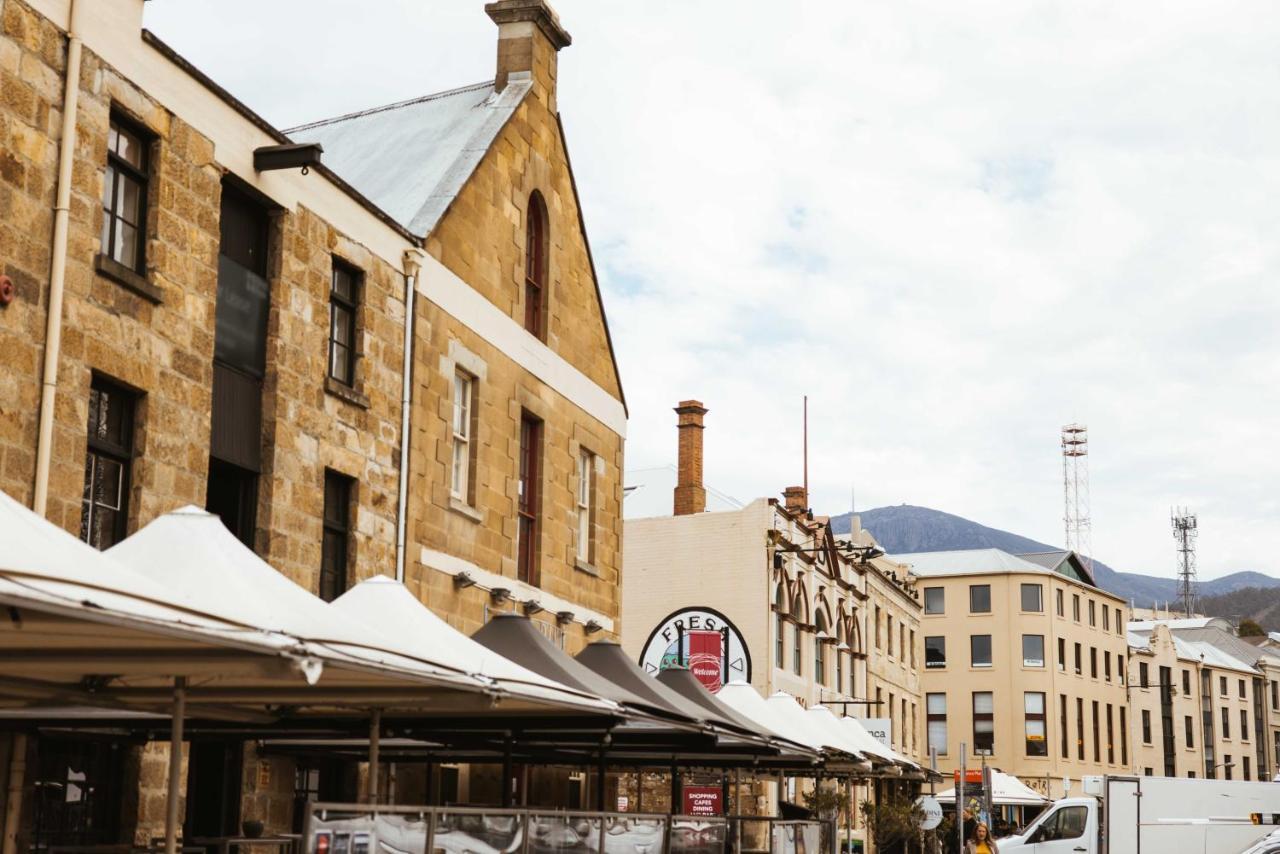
(412, 265)
(49, 384)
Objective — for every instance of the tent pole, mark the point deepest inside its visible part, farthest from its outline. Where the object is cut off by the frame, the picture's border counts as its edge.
(507, 798)
(675, 790)
(600, 782)
(375, 745)
(175, 764)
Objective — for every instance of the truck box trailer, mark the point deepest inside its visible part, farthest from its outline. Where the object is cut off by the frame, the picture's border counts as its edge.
(1153, 815)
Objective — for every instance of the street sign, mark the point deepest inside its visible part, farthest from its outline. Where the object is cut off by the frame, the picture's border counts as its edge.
(932, 812)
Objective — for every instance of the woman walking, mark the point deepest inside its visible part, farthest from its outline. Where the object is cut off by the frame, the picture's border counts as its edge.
(981, 843)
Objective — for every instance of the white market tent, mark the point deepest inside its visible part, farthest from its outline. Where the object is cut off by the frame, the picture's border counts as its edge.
(387, 604)
(746, 701)
(832, 741)
(1006, 790)
(871, 745)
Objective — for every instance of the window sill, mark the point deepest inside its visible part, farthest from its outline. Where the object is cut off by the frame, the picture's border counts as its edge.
(462, 508)
(346, 393)
(582, 566)
(130, 280)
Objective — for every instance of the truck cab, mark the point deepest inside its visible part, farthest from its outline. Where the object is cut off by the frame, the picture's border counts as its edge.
(1069, 826)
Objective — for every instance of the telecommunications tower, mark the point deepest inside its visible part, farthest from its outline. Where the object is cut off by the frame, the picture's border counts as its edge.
(1184, 534)
(1075, 491)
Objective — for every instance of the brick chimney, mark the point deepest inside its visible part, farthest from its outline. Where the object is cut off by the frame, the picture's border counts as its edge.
(690, 494)
(796, 498)
(529, 38)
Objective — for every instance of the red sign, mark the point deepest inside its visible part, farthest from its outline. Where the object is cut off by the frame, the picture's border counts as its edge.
(971, 777)
(702, 800)
(706, 659)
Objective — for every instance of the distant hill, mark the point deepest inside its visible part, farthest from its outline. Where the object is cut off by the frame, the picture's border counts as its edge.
(906, 528)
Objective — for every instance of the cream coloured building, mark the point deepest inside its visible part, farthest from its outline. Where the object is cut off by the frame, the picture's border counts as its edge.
(1024, 660)
(1203, 701)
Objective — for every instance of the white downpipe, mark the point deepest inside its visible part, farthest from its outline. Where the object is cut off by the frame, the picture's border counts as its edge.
(49, 386)
(412, 264)
(58, 270)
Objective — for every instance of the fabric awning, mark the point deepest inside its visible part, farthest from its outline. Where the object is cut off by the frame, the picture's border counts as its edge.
(607, 659)
(386, 606)
(871, 745)
(785, 707)
(516, 638)
(1006, 790)
(747, 702)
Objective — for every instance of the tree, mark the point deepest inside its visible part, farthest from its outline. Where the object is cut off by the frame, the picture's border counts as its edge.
(1250, 629)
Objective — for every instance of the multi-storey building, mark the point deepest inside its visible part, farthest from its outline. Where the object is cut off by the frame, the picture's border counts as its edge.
(769, 592)
(1203, 701)
(1024, 664)
(394, 361)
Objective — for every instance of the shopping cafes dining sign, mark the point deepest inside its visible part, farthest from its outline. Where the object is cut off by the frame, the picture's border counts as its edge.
(703, 640)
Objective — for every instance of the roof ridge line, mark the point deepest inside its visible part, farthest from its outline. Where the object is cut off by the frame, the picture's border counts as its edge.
(387, 107)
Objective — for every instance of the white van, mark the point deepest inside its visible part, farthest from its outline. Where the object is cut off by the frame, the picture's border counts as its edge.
(1153, 815)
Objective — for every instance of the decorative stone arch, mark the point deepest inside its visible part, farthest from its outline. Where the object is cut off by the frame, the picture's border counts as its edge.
(781, 597)
(800, 602)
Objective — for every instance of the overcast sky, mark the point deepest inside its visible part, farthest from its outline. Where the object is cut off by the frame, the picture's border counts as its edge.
(955, 226)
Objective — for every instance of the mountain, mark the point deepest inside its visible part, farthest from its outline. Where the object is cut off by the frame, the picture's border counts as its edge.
(906, 528)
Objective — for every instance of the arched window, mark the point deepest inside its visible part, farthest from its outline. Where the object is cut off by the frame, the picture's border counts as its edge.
(535, 265)
(820, 649)
(780, 626)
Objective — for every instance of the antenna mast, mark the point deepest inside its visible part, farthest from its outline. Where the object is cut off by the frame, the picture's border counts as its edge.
(807, 503)
(1185, 531)
(1075, 491)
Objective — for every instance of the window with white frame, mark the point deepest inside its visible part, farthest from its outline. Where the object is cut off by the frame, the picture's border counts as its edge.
(586, 492)
(464, 389)
(936, 722)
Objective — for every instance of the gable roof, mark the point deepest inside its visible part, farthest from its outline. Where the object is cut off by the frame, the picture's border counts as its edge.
(412, 158)
(1063, 562)
(968, 562)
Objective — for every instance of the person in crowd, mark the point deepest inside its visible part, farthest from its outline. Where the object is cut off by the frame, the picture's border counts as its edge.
(981, 841)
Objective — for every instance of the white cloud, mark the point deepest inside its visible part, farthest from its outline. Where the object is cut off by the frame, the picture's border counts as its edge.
(955, 226)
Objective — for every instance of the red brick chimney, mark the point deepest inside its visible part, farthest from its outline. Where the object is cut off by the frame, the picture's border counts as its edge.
(690, 494)
(796, 499)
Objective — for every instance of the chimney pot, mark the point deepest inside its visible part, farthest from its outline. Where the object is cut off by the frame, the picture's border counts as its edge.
(529, 37)
(690, 494)
(796, 499)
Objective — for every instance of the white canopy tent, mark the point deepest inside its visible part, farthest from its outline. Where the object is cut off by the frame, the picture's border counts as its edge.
(388, 605)
(869, 744)
(1006, 790)
(746, 701)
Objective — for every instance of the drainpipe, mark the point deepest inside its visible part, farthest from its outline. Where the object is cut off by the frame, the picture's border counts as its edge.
(412, 264)
(49, 387)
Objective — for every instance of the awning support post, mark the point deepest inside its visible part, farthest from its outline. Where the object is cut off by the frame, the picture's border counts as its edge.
(375, 746)
(175, 764)
(508, 798)
(675, 790)
(600, 781)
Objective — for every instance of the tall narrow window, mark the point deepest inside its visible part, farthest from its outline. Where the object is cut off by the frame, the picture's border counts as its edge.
(529, 528)
(344, 293)
(464, 398)
(795, 651)
(1059, 597)
(337, 533)
(124, 197)
(1226, 723)
(535, 266)
(1035, 727)
(104, 508)
(1080, 728)
(984, 727)
(1093, 617)
(1111, 735)
(935, 600)
(1119, 622)
(1078, 669)
(1189, 731)
(1062, 654)
(1062, 726)
(1146, 726)
(839, 683)
(586, 506)
(820, 649)
(888, 633)
(936, 722)
(780, 627)
(877, 627)
(1075, 607)
(1097, 742)
(1124, 738)
(1106, 618)
(935, 652)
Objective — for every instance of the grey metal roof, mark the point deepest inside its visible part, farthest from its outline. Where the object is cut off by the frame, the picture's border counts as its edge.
(412, 158)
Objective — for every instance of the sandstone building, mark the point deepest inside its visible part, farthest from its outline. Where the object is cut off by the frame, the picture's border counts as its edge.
(383, 364)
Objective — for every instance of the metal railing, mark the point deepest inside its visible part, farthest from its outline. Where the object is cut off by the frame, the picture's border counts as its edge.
(367, 829)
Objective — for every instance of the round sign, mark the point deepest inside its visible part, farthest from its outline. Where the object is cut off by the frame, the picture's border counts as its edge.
(703, 640)
(931, 812)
